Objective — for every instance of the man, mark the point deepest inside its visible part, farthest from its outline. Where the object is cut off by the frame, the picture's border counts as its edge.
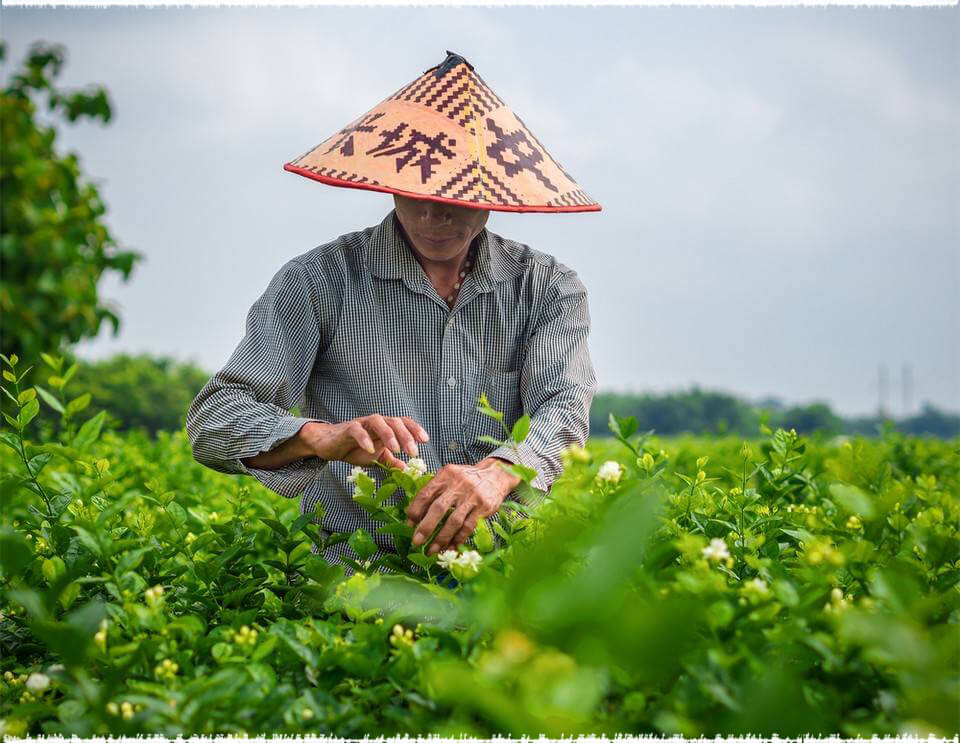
(387, 336)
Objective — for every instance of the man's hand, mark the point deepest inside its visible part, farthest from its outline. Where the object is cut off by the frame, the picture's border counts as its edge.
(365, 440)
(472, 491)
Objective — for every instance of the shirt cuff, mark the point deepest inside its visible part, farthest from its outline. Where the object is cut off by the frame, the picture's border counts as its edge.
(292, 479)
(528, 458)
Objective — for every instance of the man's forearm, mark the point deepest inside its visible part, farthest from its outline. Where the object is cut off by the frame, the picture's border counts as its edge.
(294, 448)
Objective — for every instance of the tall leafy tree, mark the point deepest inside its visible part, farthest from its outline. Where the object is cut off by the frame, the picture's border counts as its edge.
(54, 244)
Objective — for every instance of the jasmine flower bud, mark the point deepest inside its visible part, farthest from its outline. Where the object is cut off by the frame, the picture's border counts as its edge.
(610, 471)
(716, 550)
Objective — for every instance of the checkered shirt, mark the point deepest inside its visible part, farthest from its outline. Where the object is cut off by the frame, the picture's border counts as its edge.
(354, 327)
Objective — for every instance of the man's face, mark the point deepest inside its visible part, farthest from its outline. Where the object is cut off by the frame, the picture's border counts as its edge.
(439, 231)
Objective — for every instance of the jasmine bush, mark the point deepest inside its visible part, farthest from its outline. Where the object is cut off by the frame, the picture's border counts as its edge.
(692, 586)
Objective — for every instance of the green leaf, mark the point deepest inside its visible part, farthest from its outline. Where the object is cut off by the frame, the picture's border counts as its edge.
(53, 363)
(483, 438)
(385, 491)
(28, 412)
(10, 440)
(89, 431)
(420, 559)
(366, 484)
(78, 404)
(319, 570)
(482, 537)
(176, 513)
(302, 520)
(786, 593)
(853, 499)
(398, 529)
(520, 429)
(88, 539)
(362, 544)
(16, 552)
(802, 534)
(52, 568)
(367, 503)
(264, 648)
(527, 474)
(276, 526)
(38, 462)
(49, 399)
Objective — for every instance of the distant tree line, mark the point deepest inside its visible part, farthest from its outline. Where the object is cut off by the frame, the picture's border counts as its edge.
(702, 411)
(153, 394)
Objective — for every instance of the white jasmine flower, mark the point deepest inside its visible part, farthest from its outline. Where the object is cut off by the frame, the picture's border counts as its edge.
(470, 559)
(416, 467)
(38, 682)
(447, 559)
(610, 471)
(716, 550)
(352, 477)
(757, 585)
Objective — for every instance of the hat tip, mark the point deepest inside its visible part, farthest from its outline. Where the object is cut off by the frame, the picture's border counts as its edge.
(451, 61)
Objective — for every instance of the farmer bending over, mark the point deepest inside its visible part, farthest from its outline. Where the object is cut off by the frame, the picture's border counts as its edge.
(385, 337)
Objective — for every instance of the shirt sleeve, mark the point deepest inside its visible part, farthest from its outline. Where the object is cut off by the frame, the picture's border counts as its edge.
(557, 381)
(244, 409)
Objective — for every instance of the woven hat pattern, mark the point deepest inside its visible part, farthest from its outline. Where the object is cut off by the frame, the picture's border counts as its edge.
(446, 136)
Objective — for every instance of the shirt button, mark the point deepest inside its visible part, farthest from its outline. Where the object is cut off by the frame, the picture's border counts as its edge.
(453, 445)
(451, 381)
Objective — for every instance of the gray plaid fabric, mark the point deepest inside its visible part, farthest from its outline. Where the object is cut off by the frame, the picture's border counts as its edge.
(354, 327)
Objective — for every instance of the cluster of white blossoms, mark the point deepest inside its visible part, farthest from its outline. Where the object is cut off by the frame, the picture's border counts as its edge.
(462, 565)
(352, 477)
(610, 471)
(38, 683)
(415, 468)
(716, 550)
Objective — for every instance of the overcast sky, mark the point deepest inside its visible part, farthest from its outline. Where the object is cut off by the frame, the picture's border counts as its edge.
(780, 186)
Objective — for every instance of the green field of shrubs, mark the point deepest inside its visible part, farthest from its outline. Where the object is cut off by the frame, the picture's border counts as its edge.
(678, 585)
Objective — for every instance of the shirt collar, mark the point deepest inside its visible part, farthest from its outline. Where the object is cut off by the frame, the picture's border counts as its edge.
(389, 256)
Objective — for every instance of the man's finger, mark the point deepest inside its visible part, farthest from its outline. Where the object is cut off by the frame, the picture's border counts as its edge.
(430, 521)
(418, 431)
(469, 525)
(422, 500)
(376, 424)
(403, 435)
(359, 434)
(451, 528)
(387, 458)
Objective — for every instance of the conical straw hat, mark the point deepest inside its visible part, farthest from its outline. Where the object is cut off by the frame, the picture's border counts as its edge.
(446, 137)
